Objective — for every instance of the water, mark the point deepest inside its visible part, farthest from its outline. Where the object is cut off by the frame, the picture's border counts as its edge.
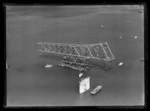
(29, 83)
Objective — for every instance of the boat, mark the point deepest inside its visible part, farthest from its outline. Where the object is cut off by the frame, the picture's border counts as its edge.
(96, 90)
(48, 66)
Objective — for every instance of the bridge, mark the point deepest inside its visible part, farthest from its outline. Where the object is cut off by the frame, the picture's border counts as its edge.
(99, 51)
(76, 57)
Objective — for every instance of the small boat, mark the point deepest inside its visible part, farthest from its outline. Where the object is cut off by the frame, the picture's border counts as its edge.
(48, 66)
(95, 90)
(120, 64)
(142, 60)
(80, 74)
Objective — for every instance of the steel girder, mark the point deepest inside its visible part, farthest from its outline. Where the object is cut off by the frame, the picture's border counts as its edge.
(100, 51)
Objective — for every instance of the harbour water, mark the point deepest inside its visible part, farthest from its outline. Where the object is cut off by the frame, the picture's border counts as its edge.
(29, 83)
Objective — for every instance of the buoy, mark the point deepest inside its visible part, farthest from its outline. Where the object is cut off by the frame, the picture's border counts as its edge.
(135, 37)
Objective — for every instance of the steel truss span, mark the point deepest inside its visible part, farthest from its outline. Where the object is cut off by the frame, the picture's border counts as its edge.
(100, 51)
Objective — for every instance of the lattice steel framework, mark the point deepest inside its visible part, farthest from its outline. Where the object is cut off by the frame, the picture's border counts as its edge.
(100, 51)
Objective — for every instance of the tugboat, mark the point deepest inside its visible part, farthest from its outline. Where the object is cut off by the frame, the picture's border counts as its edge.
(96, 90)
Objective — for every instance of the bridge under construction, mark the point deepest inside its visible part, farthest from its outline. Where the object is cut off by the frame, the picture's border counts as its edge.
(94, 51)
(79, 57)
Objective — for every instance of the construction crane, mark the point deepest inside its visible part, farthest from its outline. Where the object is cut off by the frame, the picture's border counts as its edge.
(80, 56)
